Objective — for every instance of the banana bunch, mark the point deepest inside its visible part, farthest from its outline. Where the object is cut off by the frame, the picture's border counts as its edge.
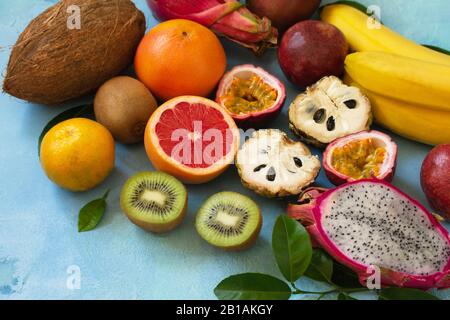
(363, 34)
(407, 84)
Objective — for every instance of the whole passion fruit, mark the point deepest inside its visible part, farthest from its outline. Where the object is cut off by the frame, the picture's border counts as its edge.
(251, 95)
(435, 179)
(310, 50)
(284, 13)
(362, 155)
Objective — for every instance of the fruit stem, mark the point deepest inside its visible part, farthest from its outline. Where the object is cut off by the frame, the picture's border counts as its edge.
(106, 194)
(298, 291)
(353, 290)
(334, 290)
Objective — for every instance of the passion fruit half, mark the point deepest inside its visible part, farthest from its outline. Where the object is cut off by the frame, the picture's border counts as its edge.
(362, 155)
(251, 95)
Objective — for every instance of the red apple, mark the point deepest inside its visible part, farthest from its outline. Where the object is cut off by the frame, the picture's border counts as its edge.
(435, 179)
(311, 50)
(284, 13)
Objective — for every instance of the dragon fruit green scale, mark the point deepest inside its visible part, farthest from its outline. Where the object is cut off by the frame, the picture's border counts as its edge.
(370, 223)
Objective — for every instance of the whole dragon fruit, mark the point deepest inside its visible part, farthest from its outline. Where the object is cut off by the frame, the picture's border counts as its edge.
(229, 18)
(370, 223)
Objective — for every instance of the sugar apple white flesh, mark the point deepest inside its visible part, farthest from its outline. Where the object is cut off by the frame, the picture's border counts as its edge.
(329, 110)
(273, 165)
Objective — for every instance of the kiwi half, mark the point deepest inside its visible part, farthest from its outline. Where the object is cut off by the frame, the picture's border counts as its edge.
(229, 220)
(154, 201)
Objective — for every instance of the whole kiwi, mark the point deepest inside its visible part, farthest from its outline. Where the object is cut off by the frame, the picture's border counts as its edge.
(124, 105)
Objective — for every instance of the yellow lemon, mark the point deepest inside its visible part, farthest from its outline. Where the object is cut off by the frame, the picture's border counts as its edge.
(77, 154)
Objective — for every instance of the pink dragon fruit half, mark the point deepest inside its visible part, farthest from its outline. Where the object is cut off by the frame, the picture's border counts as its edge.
(229, 18)
(370, 223)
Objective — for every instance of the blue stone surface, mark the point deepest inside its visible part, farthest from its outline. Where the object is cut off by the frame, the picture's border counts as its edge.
(41, 252)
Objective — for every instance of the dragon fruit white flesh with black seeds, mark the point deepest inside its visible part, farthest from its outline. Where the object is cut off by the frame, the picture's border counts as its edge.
(371, 223)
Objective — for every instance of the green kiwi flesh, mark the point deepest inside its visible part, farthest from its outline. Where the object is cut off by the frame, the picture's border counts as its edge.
(229, 220)
(155, 201)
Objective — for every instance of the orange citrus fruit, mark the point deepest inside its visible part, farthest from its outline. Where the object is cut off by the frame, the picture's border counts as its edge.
(191, 138)
(180, 57)
(77, 154)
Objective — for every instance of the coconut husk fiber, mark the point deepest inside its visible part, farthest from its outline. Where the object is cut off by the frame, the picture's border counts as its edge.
(51, 63)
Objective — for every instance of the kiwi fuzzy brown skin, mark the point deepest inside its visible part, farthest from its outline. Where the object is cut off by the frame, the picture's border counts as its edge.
(124, 105)
(51, 63)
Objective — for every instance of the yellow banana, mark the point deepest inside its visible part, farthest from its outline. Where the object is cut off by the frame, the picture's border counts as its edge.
(363, 36)
(412, 121)
(402, 78)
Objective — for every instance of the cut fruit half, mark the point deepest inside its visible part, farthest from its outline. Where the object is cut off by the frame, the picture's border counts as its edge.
(363, 155)
(377, 230)
(154, 201)
(251, 95)
(229, 220)
(191, 138)
(273, 165)
(329, 110)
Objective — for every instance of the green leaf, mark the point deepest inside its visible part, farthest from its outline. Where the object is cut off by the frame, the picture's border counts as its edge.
(91, 214)
(321, 267)
(405, 294)
(83, 111)
(344, 277)
(345, 296)
(252, 286)
(292, 247)
(444, 51)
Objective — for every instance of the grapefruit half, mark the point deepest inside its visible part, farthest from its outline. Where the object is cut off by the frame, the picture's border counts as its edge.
(191, 138)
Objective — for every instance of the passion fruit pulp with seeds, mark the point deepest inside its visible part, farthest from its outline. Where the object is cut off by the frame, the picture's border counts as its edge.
(358, 159)
(252, 96)
(363, 155)
(248, 95)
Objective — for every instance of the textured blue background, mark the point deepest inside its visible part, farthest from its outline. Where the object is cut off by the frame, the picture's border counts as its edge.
(38, 221)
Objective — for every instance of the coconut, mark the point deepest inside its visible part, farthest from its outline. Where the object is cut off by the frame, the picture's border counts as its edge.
(53, 61)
